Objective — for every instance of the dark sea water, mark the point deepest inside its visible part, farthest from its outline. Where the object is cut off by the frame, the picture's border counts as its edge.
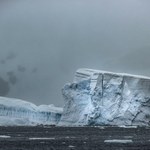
(74, 138)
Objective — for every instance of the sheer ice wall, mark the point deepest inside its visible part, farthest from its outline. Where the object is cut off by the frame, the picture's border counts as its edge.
(106, 98)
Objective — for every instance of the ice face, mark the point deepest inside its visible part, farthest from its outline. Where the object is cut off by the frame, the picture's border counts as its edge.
(105, 98)
(19, 112)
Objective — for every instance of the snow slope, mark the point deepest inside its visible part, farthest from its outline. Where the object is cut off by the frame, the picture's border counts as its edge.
(104, 98)
(19, 112)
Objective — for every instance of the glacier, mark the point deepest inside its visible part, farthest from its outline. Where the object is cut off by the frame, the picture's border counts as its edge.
(18, 112)
(105, 98)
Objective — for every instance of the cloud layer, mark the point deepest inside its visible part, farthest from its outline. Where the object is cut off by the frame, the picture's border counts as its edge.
(42, 43)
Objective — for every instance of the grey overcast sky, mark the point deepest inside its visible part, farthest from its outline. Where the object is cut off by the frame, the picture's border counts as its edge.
(43, 43)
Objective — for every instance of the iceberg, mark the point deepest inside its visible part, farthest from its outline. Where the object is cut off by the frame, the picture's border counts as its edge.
(19, 112)
(94, 97)
(105, 98)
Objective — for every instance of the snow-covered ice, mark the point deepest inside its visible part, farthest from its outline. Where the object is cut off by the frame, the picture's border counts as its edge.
(19, 112)
(104, 98)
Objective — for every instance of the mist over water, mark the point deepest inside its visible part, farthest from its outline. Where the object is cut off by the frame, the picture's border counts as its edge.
(43, 43)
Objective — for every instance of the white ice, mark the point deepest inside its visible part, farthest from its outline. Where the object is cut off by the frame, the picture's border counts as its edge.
(5, 136)
(41, 138)
(118, 141)
(19, 112)
(105, 98)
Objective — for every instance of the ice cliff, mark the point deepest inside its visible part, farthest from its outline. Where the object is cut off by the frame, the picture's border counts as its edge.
(105, 98)
(19, 112)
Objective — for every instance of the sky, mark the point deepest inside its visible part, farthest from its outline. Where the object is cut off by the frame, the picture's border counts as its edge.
(43, 43)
